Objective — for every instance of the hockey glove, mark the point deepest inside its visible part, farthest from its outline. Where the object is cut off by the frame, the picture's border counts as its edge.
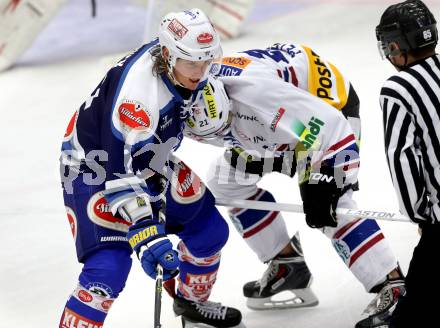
(152, 246)
(320, 195)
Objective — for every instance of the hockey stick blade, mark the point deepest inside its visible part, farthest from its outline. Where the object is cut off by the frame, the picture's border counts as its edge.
(294, 208)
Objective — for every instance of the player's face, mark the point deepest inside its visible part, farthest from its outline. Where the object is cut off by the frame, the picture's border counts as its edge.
(189, 73)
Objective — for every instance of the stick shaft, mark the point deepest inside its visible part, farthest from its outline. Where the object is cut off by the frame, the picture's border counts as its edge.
(294, 208)
(158, 297)
(159, 269)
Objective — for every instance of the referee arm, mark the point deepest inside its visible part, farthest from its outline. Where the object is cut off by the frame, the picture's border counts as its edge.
(403, 157)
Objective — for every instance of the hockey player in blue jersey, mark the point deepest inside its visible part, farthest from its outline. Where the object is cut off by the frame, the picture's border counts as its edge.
(117, 165)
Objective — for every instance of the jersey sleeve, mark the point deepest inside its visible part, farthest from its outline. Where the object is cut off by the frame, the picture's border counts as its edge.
(112, 139)
(126, 130)
(132, 144)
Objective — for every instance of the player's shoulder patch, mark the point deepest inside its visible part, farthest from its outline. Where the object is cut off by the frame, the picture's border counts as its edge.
(239, 62)
(134, 115)
(133, 120)
(232, 66)
(71, 127)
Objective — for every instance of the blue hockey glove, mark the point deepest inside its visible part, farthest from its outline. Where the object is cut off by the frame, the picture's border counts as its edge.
(152, 246)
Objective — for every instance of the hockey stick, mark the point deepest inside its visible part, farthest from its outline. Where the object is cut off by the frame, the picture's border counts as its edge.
(159, 269)
(283, 207)
(158, 297)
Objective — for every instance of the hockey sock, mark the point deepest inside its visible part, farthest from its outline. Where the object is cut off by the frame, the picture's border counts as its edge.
(197, 275)
(85, 309)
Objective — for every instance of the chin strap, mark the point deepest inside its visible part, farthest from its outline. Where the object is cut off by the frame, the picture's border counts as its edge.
(172, 77)
(171, 61)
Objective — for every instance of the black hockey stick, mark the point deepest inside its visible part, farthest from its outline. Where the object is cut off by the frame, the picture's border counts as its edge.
(158, 297)
(159, 269)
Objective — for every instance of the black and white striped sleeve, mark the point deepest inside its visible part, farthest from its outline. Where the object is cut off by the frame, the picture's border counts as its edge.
(402, 138)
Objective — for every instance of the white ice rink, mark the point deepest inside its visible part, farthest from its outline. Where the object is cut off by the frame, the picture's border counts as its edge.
(38, 267)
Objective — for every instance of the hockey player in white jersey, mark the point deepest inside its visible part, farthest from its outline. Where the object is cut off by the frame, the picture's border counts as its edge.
(273, 121)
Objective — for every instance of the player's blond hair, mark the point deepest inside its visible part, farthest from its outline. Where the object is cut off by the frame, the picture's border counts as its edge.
(160, 64)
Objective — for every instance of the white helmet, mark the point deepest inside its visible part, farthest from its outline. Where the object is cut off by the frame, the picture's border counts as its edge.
(189, 35)
(211, 115)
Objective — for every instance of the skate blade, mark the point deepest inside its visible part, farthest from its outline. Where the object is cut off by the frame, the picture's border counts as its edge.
(301, 298)
(189, 324)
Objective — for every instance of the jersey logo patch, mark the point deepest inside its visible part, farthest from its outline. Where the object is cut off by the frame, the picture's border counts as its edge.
(233, 66)
(85, 296)
(208, 97)
(325, 81)
(199, 286)
(277, 118)
(134, 115)
(70, 127)
(71, 217)
(106, 305)
(99, 213)
(186, 186)
(239, 62)
(72, 319)
(308, 135)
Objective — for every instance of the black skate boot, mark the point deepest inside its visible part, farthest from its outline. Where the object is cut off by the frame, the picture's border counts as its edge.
(206, 314)
(379, 311)
(283, 274)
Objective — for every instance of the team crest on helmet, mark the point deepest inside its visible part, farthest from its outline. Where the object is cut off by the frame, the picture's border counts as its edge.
(205, 38)
(177, 28)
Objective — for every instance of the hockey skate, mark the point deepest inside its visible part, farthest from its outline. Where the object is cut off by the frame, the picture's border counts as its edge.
(206, 314)
(284, 274)
(379, 311)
